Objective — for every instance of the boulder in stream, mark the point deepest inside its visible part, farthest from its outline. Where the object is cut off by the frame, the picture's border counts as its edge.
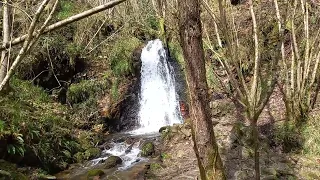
(112, 161)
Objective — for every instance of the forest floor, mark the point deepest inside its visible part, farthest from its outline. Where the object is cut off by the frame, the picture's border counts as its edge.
(178, 160)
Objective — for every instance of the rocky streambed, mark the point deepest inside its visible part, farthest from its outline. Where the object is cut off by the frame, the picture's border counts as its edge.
(123, 156)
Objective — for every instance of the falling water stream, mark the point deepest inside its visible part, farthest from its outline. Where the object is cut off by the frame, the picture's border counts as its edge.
(159, 106)
(159, 103)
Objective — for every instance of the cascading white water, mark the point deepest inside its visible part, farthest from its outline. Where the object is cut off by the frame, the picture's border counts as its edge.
(159, 104)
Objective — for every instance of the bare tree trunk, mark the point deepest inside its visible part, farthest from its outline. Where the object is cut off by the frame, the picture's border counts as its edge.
(6, 39)
(205, 145)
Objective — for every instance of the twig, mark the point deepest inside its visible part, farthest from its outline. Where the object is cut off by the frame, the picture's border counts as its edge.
(39, 75)
(52, 69)
(111, 36)
(95, 34)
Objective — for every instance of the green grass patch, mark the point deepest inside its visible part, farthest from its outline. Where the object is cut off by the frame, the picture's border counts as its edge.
(311, 136)
(303, 139)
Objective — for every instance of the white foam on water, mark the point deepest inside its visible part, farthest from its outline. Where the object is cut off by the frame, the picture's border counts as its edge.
(128, 155)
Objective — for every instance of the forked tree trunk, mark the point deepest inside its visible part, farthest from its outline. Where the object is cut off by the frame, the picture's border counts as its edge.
(205, 144)
(6, 39)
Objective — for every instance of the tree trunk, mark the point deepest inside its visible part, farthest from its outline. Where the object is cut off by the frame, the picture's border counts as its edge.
(255, 136)
(6, 39)
(205, 145)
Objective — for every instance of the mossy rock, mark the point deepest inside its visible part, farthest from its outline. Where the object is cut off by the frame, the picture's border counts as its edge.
(95, 172)
(79, 157)
(7, 166)
(112, 161)
(147, 149)
(45, 177)
(92, 153)
(5, 175)
(164, 129)
(20, 176)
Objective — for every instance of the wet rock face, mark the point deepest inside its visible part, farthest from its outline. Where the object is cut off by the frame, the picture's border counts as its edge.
(122, 115)
(184, 109)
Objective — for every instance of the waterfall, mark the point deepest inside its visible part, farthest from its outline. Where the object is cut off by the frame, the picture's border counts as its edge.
(159, 105)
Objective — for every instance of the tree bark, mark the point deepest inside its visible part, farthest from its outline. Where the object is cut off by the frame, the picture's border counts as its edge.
(6, 39)
(65, 22)
(205, 145)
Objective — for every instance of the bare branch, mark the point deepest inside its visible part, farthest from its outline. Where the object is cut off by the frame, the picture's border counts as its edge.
(67, 21)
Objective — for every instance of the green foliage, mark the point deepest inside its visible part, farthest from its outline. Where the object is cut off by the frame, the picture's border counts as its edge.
(85, 90)
(311, 135)
(73, 50)
(147, 149)
(121, 56)
(17, 146)
(153, 22)
(155, 166)
(33, 122)
(115, 90)
(66, 9)
(289, 137)
(92, 153)
(165, 156)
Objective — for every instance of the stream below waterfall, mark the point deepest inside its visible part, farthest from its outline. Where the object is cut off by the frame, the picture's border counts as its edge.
(159, 107)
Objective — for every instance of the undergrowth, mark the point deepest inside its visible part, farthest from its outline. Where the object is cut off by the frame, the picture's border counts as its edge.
(304, 139)
(121, 56)
(31, 123)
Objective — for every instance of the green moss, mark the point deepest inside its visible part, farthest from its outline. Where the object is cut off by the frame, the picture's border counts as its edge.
(92, 153)
(20, 176)
(10, 170)
(155, 166)
(165, 156)
(85, 90)
(176, 53)
(112, 161)
(7, 166)
(121, 56)
(147, 149)
(95, 172)
(66, 9)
